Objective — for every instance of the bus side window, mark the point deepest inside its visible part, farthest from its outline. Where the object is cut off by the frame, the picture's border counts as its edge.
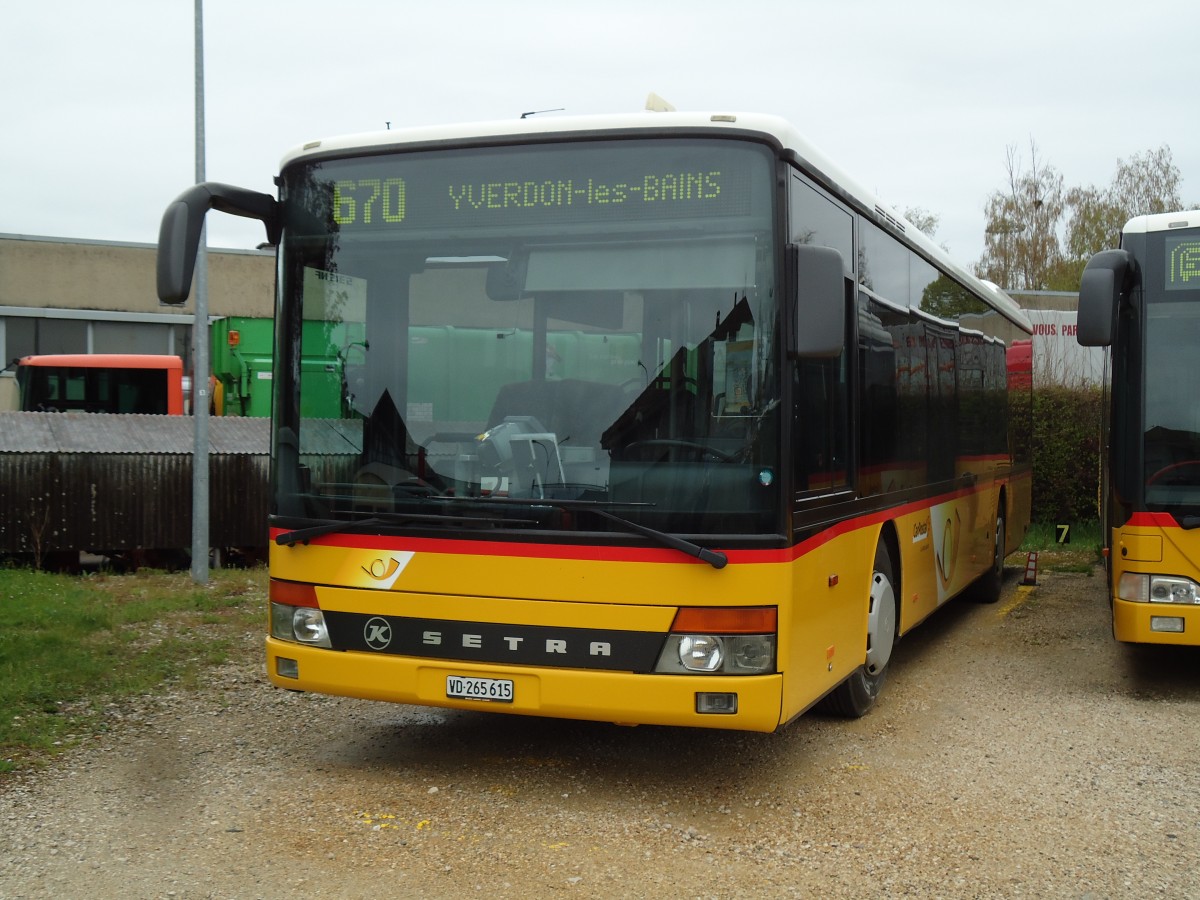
(820, 424)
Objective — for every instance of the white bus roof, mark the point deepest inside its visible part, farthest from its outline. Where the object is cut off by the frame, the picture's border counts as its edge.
(762, 126)
(1162, 222)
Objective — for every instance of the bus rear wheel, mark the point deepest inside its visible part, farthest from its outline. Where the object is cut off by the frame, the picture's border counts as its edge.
(855, 696)
(990, 584)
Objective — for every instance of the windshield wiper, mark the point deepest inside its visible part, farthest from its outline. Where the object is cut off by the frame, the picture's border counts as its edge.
(714, 558)
(333, 526)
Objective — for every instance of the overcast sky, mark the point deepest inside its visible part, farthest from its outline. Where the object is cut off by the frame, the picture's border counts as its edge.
(918, 100)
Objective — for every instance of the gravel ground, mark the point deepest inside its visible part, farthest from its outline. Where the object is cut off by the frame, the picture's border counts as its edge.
(1017, 751)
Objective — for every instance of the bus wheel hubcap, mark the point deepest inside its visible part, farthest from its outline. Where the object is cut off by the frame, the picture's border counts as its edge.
(881, 624)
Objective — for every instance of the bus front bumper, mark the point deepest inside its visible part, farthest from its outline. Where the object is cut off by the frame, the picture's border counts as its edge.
(603, 696)
(1156, 623)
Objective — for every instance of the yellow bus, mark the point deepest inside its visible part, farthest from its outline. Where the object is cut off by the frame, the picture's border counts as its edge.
(649, 419)
(1142, 302)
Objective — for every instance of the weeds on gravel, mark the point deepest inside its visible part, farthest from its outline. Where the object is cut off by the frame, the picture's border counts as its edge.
(70, 646)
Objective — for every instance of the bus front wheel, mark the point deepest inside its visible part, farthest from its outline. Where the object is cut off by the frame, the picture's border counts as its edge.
(858, 693)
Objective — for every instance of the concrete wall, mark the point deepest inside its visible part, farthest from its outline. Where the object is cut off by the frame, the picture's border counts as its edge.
(106, 291)
(64, 274)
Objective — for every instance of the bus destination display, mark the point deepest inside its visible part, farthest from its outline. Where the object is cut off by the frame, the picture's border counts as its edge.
(572, 184)
(1183, 263)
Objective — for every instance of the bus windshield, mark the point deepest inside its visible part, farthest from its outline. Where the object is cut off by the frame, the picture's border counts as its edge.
(1172, 379)
(564, 336)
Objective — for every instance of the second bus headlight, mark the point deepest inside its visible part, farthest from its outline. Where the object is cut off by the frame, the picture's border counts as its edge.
(1158, 589)
(1165, 589)
(713, 654)
(751, 652)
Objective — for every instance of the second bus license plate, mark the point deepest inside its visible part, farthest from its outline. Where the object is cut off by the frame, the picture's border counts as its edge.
(463, 687)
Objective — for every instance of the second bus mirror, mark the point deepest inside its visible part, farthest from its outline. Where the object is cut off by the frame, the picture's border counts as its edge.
(1100, 290)
(818, 281)
(506, 278)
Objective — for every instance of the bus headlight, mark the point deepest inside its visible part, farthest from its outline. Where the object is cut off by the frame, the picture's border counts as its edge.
(1133, 587)
(701, 652)
(1158, 589)
(1166, 589)
(720, 641)
(751, 652)
(713, 654)
(299, 624)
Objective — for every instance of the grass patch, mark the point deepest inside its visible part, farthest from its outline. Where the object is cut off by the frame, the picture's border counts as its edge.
(72, 645)
(1081, 555)
(1085, 536)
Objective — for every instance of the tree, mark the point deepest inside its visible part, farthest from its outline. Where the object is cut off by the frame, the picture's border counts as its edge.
(1094, 224)
(944, 298)
(1021, 246)
(1145, 184)
(1095, 221)
(926, 222)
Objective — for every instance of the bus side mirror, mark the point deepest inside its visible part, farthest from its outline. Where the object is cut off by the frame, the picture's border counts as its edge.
(179, 234)
(818, 298)
(505, 280)
(178, 242)
(1100, 288)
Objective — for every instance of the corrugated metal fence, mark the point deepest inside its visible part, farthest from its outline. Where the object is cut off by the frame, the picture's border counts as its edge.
(116, 484)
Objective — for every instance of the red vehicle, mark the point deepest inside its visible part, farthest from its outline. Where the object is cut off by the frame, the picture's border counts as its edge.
(101, 382)
(1020, 364)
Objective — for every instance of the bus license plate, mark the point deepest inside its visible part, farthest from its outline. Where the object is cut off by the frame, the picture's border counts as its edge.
(497, 690)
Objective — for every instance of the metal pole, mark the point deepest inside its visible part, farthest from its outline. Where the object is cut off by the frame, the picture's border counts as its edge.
(200, 349)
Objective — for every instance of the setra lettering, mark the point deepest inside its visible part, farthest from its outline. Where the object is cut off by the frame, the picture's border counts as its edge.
(553, 646)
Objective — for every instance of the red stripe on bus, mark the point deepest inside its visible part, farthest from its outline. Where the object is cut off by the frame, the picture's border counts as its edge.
(608, 553)
(1152, 520)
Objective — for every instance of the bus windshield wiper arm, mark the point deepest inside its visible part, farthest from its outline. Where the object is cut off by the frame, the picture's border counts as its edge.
(334, 526)
(714, 558)
(304, 534)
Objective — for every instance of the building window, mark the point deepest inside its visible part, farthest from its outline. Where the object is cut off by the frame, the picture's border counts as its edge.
(130, 337)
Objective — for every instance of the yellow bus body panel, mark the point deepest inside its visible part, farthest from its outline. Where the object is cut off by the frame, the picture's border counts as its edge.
(1156, 545)
(820, 597)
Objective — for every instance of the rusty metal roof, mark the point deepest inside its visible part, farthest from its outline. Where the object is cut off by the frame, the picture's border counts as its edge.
(332, 437)
(35, 432)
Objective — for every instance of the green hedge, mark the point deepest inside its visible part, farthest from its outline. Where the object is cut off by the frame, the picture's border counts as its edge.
(1066, 453)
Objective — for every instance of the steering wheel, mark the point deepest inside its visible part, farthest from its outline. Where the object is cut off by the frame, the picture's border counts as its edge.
(700, 450)
(1172, 467)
